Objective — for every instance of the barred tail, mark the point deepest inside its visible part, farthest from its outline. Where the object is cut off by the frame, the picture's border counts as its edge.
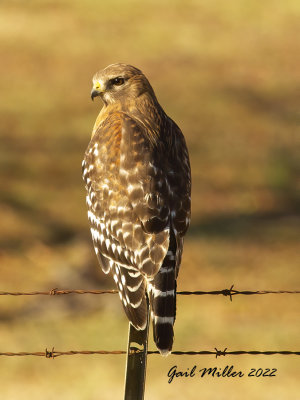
(162, 296)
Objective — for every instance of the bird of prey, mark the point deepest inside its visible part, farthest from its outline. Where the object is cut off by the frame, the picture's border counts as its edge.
(137, 176)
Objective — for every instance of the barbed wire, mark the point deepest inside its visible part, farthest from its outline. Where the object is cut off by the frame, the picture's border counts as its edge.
(55, 291)
(225, 292)
(53, 353)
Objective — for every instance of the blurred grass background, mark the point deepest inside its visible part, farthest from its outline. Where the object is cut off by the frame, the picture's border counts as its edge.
(228, 74)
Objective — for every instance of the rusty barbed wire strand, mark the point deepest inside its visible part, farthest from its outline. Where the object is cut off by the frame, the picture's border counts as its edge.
(56, 291)
(233, 292)
(225, 292)
(53, 353)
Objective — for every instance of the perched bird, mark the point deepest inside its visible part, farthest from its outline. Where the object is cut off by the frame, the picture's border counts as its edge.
(137, 176)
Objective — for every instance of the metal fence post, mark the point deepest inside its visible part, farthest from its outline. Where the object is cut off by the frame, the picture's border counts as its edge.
(136, 362)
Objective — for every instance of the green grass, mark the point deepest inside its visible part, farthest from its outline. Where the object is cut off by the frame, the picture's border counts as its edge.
(228, 73)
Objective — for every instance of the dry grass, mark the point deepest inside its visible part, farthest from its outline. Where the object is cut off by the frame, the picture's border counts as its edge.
(228, 73)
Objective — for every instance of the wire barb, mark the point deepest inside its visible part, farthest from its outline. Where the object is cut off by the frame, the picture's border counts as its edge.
(220, 352)
(49, 354)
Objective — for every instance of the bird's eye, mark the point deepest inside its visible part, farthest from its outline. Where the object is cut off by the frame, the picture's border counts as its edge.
(117, 81)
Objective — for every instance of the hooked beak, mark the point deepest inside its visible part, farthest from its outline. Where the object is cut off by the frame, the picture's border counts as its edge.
(95, 93)
(97, 90)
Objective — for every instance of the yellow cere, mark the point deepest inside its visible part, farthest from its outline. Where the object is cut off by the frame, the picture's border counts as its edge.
(97, 85)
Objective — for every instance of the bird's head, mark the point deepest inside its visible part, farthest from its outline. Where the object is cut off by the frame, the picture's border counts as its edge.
(119, 83)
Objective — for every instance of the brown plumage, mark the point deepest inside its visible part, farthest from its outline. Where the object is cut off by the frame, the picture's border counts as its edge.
(137, 175)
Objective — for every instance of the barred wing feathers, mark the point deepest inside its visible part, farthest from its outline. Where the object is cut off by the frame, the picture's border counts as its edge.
(126, 209)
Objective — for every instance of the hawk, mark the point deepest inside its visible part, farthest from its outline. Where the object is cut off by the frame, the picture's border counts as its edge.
(137, 176)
